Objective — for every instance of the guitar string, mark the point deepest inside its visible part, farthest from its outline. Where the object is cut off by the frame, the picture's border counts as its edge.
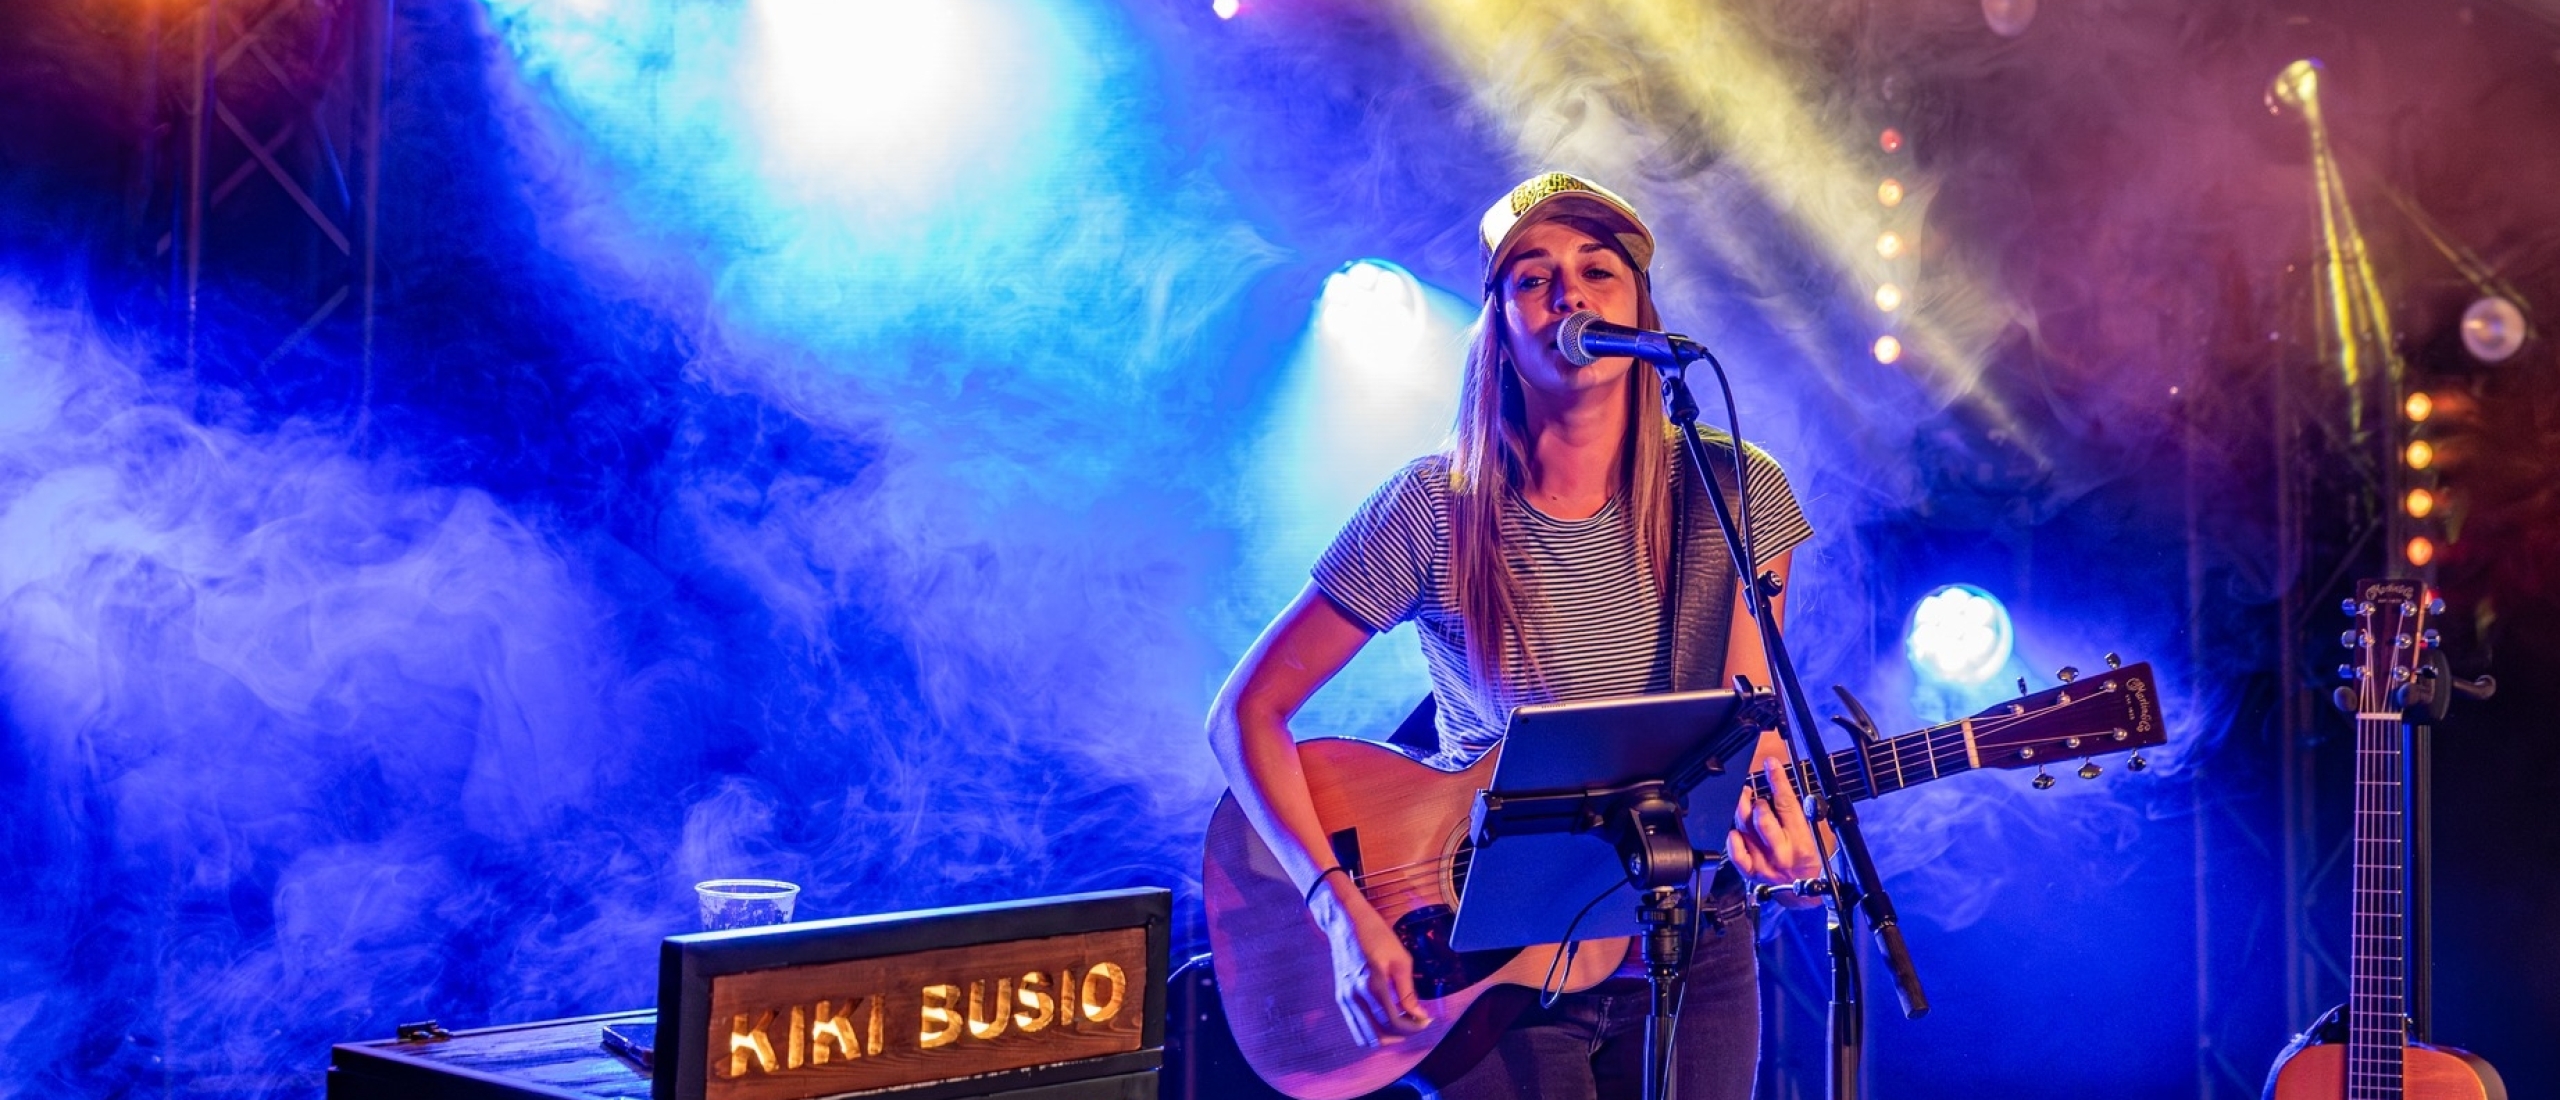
(1940, 745)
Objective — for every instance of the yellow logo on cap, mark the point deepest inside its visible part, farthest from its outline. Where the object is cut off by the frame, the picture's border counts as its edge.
(1537, 190)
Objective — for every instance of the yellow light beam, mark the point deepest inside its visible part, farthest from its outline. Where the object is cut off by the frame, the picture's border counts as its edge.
(1539, 69)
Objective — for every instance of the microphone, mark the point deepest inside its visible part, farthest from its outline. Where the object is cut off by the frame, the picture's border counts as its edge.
(1585, 339)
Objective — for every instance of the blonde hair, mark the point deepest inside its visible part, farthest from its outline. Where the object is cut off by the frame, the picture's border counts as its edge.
(1489, 460)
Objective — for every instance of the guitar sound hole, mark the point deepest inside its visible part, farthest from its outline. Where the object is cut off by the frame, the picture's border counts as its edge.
(1438, 969)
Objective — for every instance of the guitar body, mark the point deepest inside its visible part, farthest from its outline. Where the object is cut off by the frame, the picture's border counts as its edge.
(2316, 1069)
(1401, 824)
(1401, 827)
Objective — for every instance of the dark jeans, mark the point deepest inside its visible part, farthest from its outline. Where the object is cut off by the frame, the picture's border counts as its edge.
(1590, 1045)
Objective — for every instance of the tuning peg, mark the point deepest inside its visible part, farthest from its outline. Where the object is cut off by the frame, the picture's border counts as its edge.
(2347, 640)
(2043, 782)
(2344, 699)
(2114, 661)
(2431, 639)
(2089, 769)
(2067, 674)
(2348, 605)
(2347, 672)
(2137, 763)
(2435, 605)
(2022, 685)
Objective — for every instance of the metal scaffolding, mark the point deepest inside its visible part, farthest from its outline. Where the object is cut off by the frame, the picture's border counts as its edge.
(262, 174)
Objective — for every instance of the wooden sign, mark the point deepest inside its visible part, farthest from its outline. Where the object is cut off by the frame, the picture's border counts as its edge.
(1048, 989)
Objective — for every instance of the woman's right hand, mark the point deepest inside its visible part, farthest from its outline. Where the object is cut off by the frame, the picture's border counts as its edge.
(1372, 971)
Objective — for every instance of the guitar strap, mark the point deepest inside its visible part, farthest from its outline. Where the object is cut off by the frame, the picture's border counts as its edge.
(1701, 571)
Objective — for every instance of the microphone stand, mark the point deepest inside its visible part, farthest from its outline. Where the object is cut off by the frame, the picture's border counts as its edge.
(1861, 891)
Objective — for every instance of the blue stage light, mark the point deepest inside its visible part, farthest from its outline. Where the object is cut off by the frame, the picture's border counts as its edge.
(1959, 635)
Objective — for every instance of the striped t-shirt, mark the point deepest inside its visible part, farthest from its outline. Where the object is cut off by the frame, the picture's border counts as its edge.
(1593, 613)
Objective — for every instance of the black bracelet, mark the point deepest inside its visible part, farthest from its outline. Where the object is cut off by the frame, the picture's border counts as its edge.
(1318, 884)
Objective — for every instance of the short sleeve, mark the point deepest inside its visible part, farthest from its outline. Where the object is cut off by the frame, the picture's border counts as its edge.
(1777, 521)
(1380, 567)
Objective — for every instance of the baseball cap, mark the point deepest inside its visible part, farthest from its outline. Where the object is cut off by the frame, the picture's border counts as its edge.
(1548, 195)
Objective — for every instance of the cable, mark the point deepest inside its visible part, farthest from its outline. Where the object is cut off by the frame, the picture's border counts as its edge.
(1548, 987)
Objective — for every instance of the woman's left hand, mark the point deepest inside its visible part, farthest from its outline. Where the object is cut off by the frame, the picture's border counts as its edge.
(1772, 844)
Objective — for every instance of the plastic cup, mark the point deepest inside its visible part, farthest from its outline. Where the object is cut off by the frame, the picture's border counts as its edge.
(744, 902)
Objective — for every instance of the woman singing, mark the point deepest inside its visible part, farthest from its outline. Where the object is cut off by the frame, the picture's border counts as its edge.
(1556, 550)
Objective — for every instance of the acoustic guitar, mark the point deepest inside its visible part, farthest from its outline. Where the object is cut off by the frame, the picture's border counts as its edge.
(1401, 828)
(2376, 1060)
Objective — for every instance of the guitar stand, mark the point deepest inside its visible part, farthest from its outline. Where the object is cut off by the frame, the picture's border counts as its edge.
(2426, 701)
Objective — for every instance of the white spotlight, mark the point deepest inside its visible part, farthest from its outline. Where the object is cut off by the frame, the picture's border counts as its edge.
(1959, 635)
(1372, 310)
(873, 100)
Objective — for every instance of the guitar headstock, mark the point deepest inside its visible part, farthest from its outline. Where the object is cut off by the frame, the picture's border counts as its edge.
(2115, 711)
(2390, 641)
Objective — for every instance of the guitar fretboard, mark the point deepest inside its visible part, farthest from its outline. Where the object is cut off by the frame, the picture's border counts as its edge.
(1905, 761)
(2376, 1006)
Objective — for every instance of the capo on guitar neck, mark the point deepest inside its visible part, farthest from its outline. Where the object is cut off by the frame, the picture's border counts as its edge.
(1862, 732)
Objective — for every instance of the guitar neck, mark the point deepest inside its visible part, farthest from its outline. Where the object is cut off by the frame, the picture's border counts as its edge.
(1904, 761)
(2390, 637)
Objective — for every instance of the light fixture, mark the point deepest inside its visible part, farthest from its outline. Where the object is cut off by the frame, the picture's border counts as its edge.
(1958, 635)
(2492, 329)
